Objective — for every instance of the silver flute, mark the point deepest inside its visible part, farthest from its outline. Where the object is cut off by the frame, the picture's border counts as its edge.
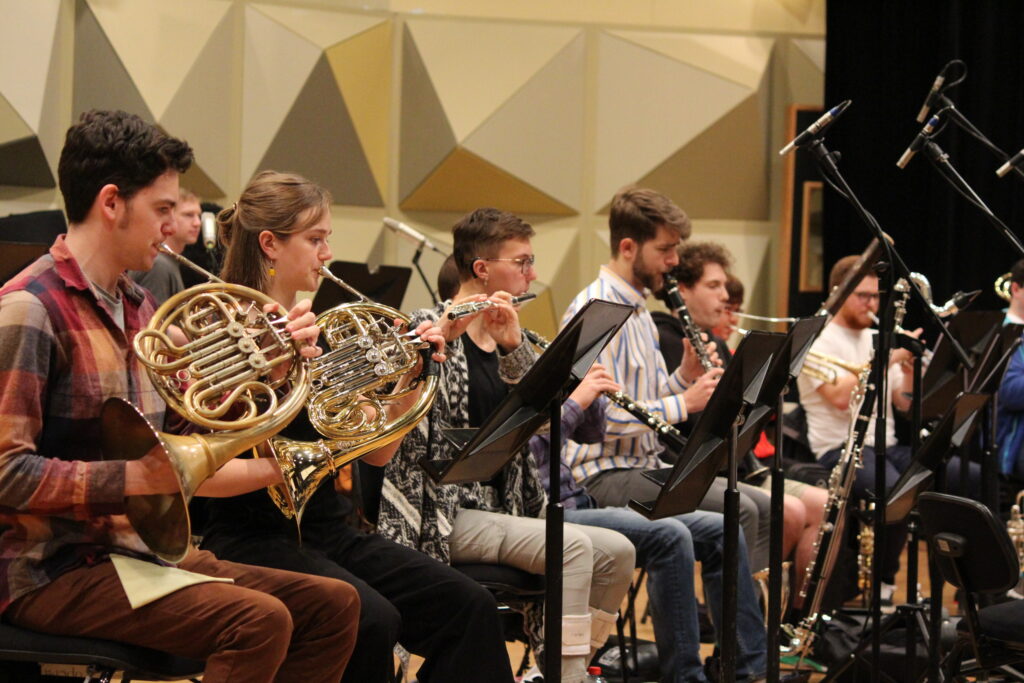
(471, 307)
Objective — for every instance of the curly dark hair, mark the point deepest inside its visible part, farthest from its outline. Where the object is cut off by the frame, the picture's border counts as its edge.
(693, 256)
(114, 148)
(481, 233)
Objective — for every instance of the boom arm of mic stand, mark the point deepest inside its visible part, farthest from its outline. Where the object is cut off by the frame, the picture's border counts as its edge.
(940, 160)
(956, 116)
(827, 166)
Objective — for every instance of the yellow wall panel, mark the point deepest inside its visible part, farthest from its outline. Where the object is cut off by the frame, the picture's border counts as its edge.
(362, 66)
(465, 182)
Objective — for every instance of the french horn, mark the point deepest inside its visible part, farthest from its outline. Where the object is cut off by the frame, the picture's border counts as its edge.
(220, 361)
(352, 386)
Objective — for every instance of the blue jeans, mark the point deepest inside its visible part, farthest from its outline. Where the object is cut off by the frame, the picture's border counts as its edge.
(667, 549)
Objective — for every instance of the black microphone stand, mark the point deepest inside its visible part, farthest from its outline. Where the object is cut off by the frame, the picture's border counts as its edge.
(895, 268)
(423, 276)
(940, 160)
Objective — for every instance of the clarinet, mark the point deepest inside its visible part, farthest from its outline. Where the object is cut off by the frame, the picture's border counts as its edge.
(669, 435)
(840, 485)
(678, 306)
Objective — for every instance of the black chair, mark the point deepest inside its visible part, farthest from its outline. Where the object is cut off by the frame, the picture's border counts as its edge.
(101, 658)
(975, 554)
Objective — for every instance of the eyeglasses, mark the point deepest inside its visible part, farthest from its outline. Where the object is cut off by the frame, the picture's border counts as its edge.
(524, 263)
(867, 297)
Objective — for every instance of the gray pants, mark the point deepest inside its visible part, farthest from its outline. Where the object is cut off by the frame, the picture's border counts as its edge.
(597, 568)
(615, 488)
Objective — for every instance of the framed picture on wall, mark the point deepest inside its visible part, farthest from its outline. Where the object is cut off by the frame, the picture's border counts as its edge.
(802, 269)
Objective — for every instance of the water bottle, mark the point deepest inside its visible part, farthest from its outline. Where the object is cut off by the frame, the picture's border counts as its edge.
(594, 675)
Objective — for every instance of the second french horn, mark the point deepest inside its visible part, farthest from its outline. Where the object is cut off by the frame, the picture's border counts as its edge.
(352, 386)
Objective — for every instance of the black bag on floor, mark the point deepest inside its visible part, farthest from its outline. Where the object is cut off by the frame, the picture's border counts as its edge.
(608, 658)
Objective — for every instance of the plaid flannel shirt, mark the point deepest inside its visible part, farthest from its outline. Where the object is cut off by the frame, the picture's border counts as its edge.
(61, 356)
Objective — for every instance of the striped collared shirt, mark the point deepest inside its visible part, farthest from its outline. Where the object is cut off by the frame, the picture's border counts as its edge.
(62, 355)
(633, 357)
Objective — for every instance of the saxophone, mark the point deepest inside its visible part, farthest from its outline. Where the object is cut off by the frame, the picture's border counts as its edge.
(840, 486)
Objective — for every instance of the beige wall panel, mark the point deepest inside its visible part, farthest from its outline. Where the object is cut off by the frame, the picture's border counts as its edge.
(362, 67)
(476, 66)
(100, 79)
(788, 16)
(558, 266)
(12, 126)
(750, 245)
(322, 28)
(723, 172)
(317, 140)
(538, 134)
(26, 43)
(804, 82)
(201, 110)
(464, 182)
(276, 64)
(638, 126)
(56, 114)
(426, 135)
(741, 59)
(159, 41)
(783, 16)
(814, 50)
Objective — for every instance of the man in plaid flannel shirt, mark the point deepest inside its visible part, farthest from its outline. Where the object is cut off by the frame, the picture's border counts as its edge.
(66, 328)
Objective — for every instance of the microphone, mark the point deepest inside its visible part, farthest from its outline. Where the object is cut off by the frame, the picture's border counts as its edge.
(933, 94)
(208, 229)
(1011, 163)
(816, 127)
(918, 142)
(419, 238)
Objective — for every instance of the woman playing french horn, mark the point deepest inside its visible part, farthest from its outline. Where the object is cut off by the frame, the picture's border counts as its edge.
(276, 238)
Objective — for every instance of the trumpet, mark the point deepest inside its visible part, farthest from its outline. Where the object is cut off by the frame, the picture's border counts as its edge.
(470, 307)
(826, 368)
(225, 376)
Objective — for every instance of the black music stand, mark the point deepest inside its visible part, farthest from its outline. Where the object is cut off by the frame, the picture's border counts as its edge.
(535, 399)
(785, 366)
(945, 377)
(710, 446)
(25, 237)
(385, 286)
(954, 429)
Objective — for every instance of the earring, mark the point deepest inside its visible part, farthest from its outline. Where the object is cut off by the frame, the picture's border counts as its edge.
(272, 271)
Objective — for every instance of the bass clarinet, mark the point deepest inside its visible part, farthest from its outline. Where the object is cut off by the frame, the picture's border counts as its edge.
(840, 486)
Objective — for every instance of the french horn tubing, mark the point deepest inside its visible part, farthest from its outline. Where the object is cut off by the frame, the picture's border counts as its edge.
(236, 372)
(1002, 286)
(351, 386)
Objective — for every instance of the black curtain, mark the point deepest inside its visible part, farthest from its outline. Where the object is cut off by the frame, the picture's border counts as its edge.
(884, 56)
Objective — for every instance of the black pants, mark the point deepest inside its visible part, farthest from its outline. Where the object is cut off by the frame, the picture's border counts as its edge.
(433, 610)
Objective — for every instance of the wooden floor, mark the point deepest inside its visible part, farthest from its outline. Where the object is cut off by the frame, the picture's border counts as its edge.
(646, 631)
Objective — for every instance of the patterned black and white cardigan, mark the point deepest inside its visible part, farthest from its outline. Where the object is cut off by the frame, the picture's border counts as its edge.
(418, 513)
